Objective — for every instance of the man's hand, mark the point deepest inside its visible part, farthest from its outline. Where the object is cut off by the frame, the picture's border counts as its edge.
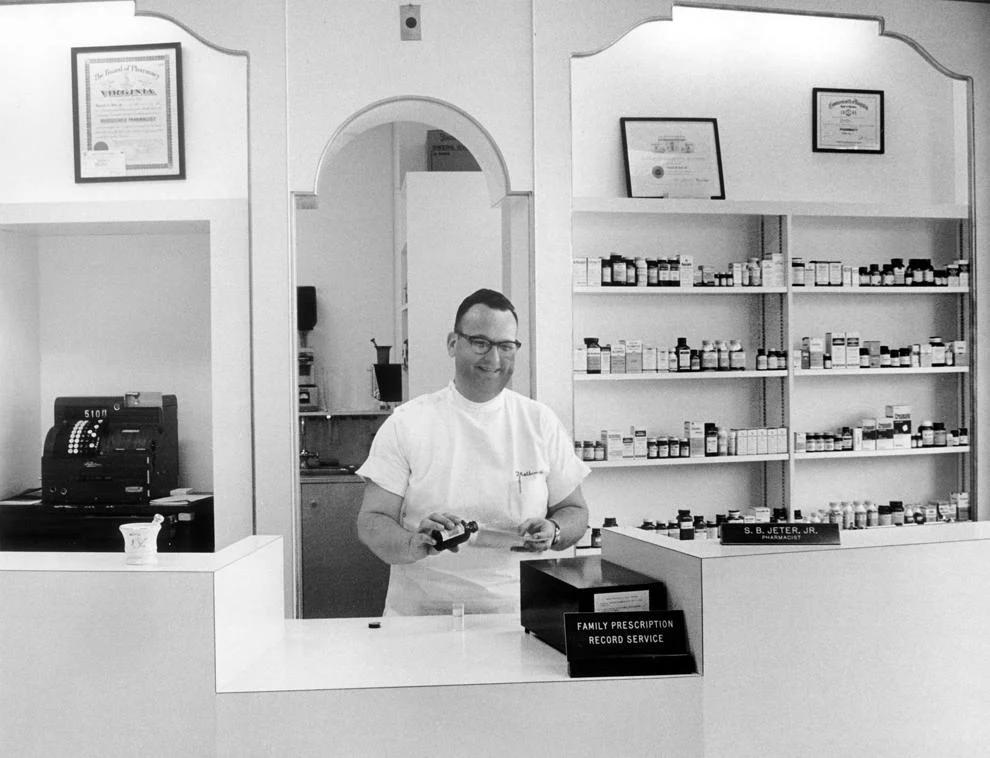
(421, 541)
(537, 534)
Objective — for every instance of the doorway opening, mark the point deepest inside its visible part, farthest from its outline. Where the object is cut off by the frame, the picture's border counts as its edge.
(391, 245)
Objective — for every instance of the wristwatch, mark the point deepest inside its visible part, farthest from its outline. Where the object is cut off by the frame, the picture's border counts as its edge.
(556, 531)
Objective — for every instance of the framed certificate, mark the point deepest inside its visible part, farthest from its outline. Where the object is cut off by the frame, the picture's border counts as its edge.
(847, 120)
(672, 157)
(127, 112)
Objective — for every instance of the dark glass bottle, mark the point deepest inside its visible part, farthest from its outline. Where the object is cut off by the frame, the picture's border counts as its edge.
(447, 538)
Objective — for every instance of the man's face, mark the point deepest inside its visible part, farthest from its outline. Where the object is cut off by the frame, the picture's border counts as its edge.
(481, 377)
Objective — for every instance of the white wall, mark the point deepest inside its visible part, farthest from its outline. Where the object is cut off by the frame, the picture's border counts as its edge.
(343, 57)
(20, 449)
(344, 248)
(121, 313)
(754, 73)
(36, 145)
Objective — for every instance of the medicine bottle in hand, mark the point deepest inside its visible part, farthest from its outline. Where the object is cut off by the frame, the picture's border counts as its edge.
(447, 538)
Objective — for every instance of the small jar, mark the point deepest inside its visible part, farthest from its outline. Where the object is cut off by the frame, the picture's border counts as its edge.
(709, 356)
(872, 514)
(737, 356)
(599, 451)
(897, 265)
(722, 352)
(938, 351)
(606, 267)
(588, 451)
(641, 272)
(885, 517)
(685, 448)
(651, 447)
(859, 514)
(897, 513)
(663, 447)
(940, 435)
(834, 514)
(927, 432)
(797, 272)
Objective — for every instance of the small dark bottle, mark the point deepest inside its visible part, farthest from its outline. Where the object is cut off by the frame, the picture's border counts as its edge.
(447, 538)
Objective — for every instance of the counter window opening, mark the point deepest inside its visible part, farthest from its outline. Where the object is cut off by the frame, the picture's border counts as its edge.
(397, 231)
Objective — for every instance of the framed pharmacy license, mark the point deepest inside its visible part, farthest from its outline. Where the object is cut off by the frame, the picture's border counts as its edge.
(672, 157)
(127, 112)
(847, 121)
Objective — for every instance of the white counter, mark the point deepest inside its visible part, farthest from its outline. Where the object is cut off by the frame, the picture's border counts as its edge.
(881, 536)
(874, 647)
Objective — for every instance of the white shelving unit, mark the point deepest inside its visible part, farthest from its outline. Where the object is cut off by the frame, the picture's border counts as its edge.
(803, 400)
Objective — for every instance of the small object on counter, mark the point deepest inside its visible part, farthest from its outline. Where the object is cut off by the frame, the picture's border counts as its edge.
(457, 617)
(374, 624)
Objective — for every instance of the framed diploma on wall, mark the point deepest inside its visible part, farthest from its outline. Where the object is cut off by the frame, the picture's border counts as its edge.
(127, 112)
(847, 120)
(672, 157)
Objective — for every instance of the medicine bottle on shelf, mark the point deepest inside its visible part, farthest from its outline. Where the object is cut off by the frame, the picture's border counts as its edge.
(737, 356)
(444, 539)
(593, 355)
(722, 350)
(683, 351)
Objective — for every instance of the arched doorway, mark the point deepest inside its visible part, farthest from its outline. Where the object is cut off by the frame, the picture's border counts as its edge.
(377, 226)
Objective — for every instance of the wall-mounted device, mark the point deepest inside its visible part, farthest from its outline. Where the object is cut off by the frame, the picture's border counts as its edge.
(309, 391)
(111, 449)
(410, 25)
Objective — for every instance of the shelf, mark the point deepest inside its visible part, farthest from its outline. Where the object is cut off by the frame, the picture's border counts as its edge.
(880, 290)
(332, 413)
(957, 450)
(654, 376)
(699, 460)
(880, 371)
(660, 206)
(682, 290)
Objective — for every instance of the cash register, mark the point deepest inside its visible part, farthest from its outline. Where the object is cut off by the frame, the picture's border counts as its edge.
(111, 449)
(107, 461)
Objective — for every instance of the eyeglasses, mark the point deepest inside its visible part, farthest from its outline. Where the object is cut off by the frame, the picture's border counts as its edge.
(482, 345)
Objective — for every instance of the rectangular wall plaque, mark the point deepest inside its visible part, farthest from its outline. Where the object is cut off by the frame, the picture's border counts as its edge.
(780, 534)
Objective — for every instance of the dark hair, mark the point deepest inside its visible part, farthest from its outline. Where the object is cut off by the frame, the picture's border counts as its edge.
(494, 300)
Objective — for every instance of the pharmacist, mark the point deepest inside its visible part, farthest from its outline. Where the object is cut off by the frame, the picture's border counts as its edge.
(473, 451)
